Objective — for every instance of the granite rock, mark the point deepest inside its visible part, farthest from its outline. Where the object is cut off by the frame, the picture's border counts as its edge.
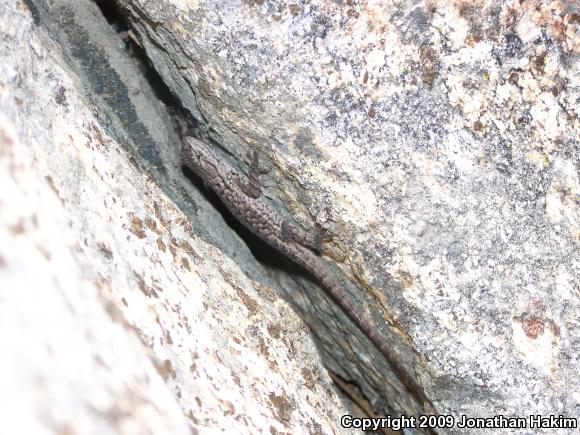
(118, 312)
(438, 145)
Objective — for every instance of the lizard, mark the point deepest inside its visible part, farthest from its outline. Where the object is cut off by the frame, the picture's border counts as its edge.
(242, 196)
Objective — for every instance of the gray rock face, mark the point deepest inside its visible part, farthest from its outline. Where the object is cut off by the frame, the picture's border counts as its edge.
(119, 311)
(438, 145)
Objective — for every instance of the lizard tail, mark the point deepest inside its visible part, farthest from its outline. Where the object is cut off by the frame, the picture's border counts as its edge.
(333, 287)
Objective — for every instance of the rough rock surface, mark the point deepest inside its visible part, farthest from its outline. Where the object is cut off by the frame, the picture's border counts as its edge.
(118, 314)
(438, 143)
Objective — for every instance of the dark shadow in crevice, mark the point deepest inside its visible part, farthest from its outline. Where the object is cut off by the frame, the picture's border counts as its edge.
(118, 21)
(182, 121)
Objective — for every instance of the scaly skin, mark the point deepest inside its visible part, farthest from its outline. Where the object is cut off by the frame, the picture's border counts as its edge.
(238, 193)
(242, 196)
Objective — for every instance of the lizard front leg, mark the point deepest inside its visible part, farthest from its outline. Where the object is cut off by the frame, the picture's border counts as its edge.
(252, 187)
(289, 232)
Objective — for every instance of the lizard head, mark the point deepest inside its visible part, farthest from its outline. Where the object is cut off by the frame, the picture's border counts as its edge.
(199, 157)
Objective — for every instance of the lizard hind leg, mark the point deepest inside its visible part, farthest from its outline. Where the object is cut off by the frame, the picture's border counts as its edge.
(312, 240)
(318, 237)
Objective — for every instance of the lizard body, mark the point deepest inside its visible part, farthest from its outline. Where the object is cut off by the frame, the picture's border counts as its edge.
(242, 196)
